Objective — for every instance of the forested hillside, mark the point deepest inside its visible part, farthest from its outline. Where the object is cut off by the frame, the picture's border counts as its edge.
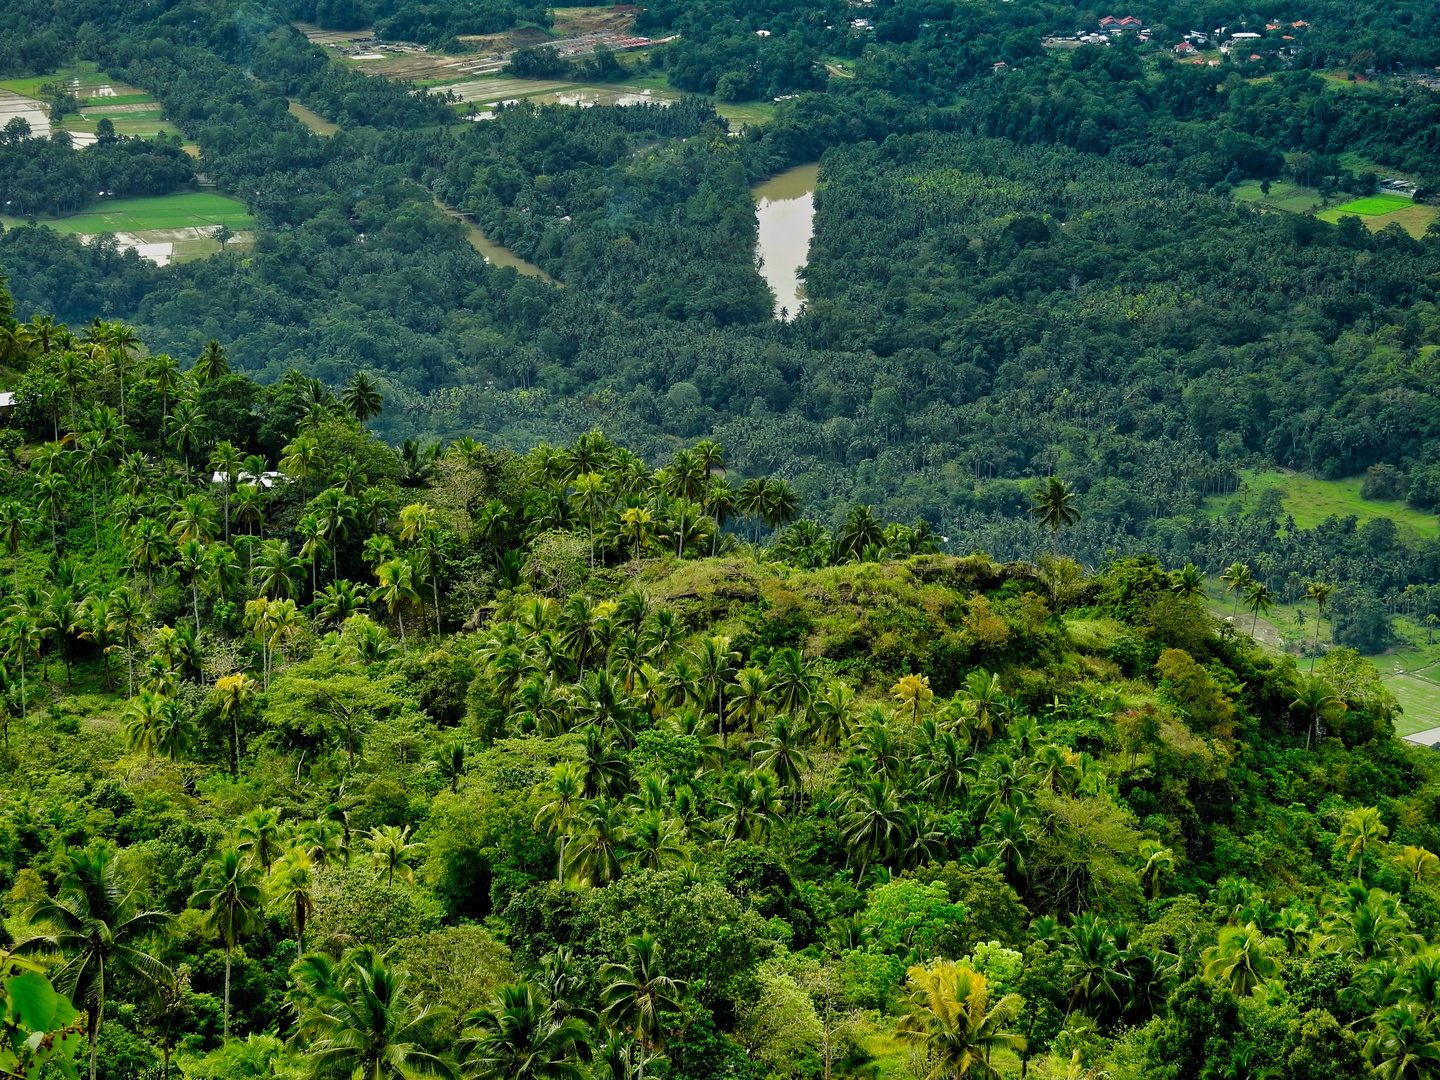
(323, 759)
(1139, 330)
(410, 667)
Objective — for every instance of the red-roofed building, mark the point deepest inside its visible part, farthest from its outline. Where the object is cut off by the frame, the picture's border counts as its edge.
(1113, 25)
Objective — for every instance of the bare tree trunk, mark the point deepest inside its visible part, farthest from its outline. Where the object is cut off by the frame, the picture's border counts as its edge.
(227, 998)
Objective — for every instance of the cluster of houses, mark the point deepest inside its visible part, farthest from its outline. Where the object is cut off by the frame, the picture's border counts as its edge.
(1196, 40)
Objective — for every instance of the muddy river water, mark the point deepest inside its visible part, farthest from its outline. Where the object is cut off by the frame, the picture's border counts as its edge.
(785, 207)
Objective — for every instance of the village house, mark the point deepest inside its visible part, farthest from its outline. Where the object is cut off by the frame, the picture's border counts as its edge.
(1111, 24)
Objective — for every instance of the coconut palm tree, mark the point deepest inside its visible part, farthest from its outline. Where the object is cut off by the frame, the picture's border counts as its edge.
(97, 922)
(149, 547)
(193, 518)
(356, 1021)
(779, 753)
(1417, 863)
(1159, 861)
(234, 694)
(164, 371)
(1258, 598)
(15, 524)
(1188, 583)
(749, 698)
(233, 903)
(1361, 831)
(748, 806)
(593, 856)
(95, 453)
(566, 793)
(637, 527)
(654, 841)
(291, 888)
(52, 495)
(1055, 507)
(913, 696)
(392, 852)
(302, 459)
(954, 1022)
(791, 684)
(873, 823)
(420, 525)
(861, 530)
(23, 638)
(361, 397)
(186, 430)
(1237, 579)
(211, 364)
(141, 722)
(175, 733)
(396, 589)
(714, 662)
(946, 764)
(518, 1037)
(638, 993)
(1316, 701)
(1405, 1043)
(127, 619)
(450, 761)
(225, 460)
(1320, 592)
(1006, 836)
(250, 507)
(592, 493)
(1241, 958)
(260, 836)
(834, 714)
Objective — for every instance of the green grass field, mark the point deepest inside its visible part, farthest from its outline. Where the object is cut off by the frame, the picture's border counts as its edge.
(746, 112)
(1414, 219)
(1370, 206)
(1283, 196)
(87, 73)
(1312, 500)
(193, 210)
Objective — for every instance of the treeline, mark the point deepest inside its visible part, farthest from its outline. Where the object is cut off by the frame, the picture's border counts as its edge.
(1113, 100)
(436, 25)
(40, 172)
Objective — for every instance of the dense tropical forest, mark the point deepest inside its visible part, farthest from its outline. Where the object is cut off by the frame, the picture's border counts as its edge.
(950, 352)
(410, 668)
(326, 759)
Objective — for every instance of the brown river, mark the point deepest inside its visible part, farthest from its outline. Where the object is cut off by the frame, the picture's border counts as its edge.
(785, 207)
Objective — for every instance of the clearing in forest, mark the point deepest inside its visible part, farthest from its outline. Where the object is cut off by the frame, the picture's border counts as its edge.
(1369, 206)
(131, 110)
(197, 209)
(1311, 500)
(161, 228)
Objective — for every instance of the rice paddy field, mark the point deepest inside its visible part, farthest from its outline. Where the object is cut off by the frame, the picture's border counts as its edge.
(1376, 211)
(164, 228)
(197, 209)
(128, 108)
(1369, 206)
